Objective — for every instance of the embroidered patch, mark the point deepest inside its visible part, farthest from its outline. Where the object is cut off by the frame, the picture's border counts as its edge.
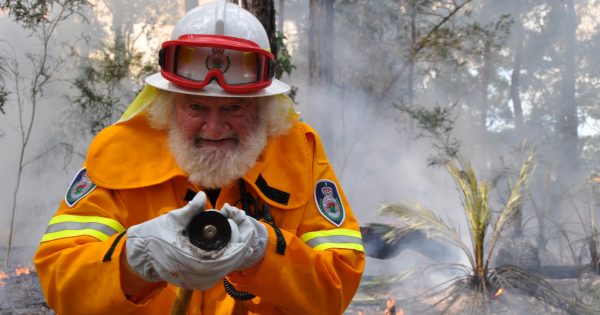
(328, 201)
(80, 187)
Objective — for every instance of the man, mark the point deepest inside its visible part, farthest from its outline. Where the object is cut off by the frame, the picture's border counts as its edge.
(212, 130)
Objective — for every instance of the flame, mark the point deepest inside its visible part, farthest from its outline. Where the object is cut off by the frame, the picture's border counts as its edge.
(499, 292)
(3, 275)
(22, 271)
(19, 271)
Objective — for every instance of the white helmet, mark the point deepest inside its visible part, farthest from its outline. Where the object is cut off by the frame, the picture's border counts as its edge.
(219, 18)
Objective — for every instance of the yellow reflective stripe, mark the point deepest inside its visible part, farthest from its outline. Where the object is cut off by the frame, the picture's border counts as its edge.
(337, 238)
(114, 224)
(324, 246)
(66, 225)
(72, 233)
(335, 232)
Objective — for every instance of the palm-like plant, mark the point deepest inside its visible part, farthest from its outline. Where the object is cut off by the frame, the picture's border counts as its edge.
(484, 281)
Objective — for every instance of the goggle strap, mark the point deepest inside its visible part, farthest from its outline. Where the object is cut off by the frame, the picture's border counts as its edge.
(271, 69)
(162, 57)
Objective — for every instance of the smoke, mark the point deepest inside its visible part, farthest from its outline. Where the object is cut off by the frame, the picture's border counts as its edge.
(369, 142)
(378, 160)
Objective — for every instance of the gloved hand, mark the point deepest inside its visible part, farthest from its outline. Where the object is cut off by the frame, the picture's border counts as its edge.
(158, 250)
(252, 239)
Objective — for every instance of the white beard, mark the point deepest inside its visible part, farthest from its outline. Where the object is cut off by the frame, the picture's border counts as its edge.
(212, 167)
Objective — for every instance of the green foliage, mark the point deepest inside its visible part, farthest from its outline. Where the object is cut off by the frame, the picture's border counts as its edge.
(474, 195)
(3, 98)
(436, 124)
(93, 102)
(31, 13)
(284, 59)
(100, 84)
(284, 63)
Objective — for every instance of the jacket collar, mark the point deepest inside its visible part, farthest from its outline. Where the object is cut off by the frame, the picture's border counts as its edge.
(131, 154)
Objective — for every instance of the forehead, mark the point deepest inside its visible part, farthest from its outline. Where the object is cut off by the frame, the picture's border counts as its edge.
(214, 101)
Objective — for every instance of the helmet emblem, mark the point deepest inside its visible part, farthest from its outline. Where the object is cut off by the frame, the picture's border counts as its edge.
(217, 60)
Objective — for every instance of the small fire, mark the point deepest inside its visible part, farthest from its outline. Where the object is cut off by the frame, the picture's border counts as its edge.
(19, 271)
(3, 275)
(22, 271)
(499, 293)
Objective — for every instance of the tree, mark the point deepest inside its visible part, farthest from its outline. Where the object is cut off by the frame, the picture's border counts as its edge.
(567, 121)
(43, 19)
(265, 12)
(113, 72)
(320, 50)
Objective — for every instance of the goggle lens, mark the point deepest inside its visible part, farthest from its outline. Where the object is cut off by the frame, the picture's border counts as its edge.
(237, 67)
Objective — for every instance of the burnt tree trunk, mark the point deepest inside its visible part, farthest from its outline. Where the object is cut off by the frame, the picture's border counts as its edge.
(264, 10)
(320, 41)
(515, 78)
(567, 120)
(190, 4)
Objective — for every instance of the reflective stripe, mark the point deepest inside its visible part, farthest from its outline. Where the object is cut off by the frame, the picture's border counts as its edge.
(337, 238)
(63, 226)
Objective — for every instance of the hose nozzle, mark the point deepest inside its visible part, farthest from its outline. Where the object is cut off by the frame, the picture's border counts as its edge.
(209, 230)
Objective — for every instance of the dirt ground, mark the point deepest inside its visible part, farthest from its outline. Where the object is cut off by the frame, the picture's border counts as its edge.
(21, 295)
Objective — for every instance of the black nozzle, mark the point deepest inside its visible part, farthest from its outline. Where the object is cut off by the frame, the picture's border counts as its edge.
(209, 230)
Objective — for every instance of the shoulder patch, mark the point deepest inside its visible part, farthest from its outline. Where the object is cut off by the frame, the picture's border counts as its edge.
(80, 187)
(328, 201)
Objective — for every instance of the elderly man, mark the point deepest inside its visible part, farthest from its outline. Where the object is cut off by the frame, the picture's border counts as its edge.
(212, 130)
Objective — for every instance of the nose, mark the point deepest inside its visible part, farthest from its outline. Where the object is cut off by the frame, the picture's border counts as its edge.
(215, 126)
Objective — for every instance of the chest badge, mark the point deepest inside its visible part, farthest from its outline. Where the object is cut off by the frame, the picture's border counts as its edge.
(79, 188)
(328, 202)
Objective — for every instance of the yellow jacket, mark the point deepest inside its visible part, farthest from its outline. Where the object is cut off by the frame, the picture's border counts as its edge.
(132, 177)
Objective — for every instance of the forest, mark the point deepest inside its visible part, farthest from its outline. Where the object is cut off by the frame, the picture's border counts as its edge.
(476, 121)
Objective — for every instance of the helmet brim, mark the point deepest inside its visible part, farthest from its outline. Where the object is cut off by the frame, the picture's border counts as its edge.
(213, 89)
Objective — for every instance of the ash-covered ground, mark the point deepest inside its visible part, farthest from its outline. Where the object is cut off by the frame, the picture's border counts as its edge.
(22, 295)
(423, 294)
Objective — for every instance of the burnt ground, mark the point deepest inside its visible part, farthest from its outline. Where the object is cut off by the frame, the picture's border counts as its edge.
(22, 295)
(371, 300)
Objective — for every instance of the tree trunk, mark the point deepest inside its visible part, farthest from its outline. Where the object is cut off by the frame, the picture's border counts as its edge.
(190, 4)
(320, 64)
(515, 78)
(320, 38)
(280, 12)
(485, 80)
(412, 57)
(264, 10)
(567, 120)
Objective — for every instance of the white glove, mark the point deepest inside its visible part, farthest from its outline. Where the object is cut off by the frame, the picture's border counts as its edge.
(252, 240)
(159, 250)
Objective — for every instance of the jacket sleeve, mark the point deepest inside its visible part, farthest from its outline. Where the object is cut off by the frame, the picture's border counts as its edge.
(323, 261)
(78, 259)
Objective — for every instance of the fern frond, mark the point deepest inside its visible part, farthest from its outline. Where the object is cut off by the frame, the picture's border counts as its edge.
(514, 202)
(418, 217)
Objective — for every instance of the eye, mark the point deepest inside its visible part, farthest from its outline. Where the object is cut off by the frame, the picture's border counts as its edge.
(196, 107)
(233, 108)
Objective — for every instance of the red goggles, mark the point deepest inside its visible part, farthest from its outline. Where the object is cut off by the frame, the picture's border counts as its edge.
(238, 65)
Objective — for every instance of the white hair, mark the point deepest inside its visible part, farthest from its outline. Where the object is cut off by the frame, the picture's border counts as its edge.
(217, 167)
(275, 112)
